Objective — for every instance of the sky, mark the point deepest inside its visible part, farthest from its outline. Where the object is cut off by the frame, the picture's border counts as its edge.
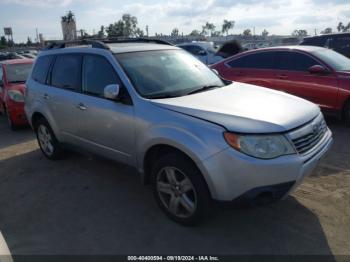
(279, 17)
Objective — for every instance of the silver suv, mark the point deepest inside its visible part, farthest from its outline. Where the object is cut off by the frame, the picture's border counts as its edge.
(193, 136)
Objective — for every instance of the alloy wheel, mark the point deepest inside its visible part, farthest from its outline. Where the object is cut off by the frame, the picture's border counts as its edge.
(176, 192)
(45, 140)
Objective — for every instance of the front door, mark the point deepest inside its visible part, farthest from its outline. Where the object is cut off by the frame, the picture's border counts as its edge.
(292, 76)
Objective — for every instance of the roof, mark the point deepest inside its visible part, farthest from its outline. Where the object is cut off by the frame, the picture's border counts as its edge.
(327, 35)
(17, 61)
(137, 47)
(283, 48)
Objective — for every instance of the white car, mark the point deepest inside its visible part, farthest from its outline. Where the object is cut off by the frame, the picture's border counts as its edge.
(204, 51)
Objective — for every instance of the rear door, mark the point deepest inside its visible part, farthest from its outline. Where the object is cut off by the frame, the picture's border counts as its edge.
(253, 68)
(105, 126)
(292, 76)
(61, 97)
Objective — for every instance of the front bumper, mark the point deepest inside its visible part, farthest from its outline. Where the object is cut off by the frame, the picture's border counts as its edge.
(230, 174)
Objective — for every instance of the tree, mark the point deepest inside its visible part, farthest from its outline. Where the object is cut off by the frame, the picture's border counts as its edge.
(125, 27)
(101, 33)
(195, 33)
(340, 27)
(175, 32)
(29, 41)
(3, 41)
(227, 25)
(247, 32)
(328, 30)
(208, 27)
(69, 17)
(299, 33)
(265, 33)
(216, 33)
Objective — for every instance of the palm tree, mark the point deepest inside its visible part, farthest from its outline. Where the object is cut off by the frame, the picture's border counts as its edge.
(227, 25)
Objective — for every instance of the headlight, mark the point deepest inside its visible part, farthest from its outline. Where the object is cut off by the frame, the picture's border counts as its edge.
(16, 95)
(260, 146)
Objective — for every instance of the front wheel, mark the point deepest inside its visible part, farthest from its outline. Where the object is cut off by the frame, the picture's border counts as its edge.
(47, 140)
(180, 189)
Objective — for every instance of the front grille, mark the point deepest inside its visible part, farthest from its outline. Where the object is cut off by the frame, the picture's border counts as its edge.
(309, 136)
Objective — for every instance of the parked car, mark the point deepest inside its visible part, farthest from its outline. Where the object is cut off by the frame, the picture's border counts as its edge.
(204, 51)
(314, 73)
(13, 74)
(339, 42)
(196, 138)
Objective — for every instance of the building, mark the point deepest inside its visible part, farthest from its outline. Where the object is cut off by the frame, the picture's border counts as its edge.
(69, 27)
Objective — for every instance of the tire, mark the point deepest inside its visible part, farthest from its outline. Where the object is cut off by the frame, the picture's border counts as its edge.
(346, 113)
(47, 140)
(179, 189)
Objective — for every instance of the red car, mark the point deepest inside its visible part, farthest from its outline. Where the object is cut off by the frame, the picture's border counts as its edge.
(314, 73)
(13, 74)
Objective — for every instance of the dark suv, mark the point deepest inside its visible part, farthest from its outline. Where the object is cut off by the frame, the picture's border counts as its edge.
(338, 42)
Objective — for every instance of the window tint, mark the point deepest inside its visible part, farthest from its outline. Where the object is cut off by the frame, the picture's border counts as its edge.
(66, 72)
(41, 68)
(316, 41)
(97, 74)
(193, 49)
(260, 61)
(341, 44)
(294, 61)
(17, 73)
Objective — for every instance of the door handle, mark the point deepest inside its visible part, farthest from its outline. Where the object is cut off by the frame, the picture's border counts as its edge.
(46, 96)
(81, 106)
(282, 76)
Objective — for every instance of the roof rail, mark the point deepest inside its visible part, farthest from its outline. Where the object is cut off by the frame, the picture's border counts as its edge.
(102, 43)
(64, 44)
(136, 40)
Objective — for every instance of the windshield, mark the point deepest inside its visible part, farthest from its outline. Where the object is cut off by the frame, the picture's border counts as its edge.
(334, 59)
(161, 73)
(17, 73)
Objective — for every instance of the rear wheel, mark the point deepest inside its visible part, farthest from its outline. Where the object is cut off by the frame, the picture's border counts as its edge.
(180, 189)
(47, 140)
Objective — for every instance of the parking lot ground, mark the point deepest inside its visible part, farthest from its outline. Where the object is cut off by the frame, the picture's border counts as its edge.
(89, 205)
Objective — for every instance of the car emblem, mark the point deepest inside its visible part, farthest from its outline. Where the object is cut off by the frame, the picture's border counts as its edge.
(315, 128)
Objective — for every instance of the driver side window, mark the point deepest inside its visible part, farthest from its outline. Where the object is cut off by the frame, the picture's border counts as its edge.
(97, 74)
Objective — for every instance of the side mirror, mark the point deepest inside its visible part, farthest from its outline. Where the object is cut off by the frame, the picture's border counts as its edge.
(111, 92)
(318, 70)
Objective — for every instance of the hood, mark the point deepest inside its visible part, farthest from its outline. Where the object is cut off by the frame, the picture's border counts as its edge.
(245, 108)
(19, 87)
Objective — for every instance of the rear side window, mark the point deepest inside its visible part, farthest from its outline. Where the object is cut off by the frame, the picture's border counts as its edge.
(294, 61)
(341, 44)
(257, 61)
(41, 69)
(97, 74)
(66, 72)
(315, 41)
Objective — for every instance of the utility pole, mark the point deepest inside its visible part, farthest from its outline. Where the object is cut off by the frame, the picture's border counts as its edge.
(315, 31)
(37, 35)
(147, 30)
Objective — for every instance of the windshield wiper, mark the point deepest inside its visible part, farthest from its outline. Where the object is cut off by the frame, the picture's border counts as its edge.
(162, 96)
(17, 81)
(203, 88)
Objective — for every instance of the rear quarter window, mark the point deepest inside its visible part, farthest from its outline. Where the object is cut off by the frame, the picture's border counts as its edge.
(41, 69)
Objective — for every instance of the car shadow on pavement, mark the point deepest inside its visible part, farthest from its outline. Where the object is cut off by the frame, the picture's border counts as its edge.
(88, 205)
(10, 138)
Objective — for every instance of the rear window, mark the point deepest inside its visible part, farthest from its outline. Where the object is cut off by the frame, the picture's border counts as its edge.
(41, 69)
(18, 73)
